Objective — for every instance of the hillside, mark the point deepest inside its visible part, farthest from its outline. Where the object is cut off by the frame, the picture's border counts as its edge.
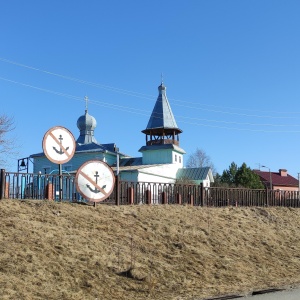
(69, 251)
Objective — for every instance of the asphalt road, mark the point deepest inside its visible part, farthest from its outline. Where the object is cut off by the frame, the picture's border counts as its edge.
(282, 295)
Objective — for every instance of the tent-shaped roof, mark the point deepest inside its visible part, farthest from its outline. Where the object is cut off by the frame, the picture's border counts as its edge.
(162, 116)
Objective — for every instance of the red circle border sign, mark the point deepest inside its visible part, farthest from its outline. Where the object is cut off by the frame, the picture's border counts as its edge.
(53, 146)
(95, 180)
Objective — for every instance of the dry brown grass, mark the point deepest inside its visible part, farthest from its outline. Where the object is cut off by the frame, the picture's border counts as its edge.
(68, 251)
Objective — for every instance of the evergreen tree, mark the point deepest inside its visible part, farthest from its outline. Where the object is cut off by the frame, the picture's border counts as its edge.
(245, 177)
(241, 176)
(228, 176)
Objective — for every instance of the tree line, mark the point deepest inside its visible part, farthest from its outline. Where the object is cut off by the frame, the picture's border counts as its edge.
(234, 176)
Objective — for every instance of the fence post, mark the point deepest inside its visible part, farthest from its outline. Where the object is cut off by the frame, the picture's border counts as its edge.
(130, 195)
(50, 191)
(201, 194)
(267, 197)
(117, 186)
(191, 199)
(164, 198)
(178, 198)
(148, 197)
(2, 183)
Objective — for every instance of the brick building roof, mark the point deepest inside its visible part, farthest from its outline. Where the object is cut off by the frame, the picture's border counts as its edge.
(280, 178)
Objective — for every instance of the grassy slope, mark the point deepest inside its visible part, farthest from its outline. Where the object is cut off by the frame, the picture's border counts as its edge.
(66, 251)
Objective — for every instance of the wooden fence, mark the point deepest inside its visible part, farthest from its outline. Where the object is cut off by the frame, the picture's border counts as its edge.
(62, 188)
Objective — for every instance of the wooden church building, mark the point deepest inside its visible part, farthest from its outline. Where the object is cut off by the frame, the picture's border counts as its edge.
(162, 156)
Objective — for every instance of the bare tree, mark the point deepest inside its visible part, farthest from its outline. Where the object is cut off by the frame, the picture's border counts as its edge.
(7, 143)
(199, 159)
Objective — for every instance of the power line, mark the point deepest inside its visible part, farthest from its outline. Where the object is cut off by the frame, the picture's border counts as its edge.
(123, 91)
(193, 121)
(240, 123)
(239, 114)
(150, 97)
(106, 104)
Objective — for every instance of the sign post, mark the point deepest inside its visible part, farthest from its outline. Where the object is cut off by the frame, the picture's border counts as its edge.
(59, 147)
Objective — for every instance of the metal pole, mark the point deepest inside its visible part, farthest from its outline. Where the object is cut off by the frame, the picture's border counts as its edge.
(2, 183)
(117, 180)
(117, 150)
(270, 176)
(117, 187)
(117, 163)
(60, 181)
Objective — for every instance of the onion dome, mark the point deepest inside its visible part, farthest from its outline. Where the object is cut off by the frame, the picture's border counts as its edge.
(86, 125)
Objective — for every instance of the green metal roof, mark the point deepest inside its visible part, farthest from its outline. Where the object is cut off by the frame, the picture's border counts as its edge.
(193, 173)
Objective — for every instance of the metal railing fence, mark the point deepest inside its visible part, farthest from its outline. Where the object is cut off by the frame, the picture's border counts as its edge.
(44, 186)
(37, 186)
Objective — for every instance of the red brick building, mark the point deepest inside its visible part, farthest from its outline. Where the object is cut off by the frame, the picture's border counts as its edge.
(278, 180)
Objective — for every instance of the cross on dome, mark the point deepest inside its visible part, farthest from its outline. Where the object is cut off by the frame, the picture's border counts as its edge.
(86, 98)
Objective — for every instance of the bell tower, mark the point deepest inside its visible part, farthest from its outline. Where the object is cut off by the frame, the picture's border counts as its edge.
(162, 134)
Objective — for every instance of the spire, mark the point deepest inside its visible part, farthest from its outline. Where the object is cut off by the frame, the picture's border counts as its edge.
(162, 115)
(162, 127)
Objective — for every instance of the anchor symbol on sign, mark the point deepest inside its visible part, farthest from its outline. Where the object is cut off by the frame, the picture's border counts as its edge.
(95, 190)
(60, 151)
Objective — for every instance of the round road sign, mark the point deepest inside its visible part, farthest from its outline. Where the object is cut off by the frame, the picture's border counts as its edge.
(95, 180)
(59, 145)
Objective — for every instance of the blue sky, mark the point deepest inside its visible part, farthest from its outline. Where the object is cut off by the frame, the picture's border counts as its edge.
(231, 67)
